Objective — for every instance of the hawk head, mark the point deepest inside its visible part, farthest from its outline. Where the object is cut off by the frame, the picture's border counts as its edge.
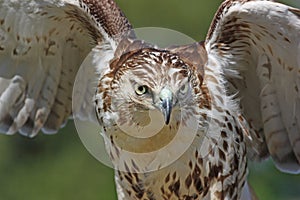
(151, 79)
(147, 93)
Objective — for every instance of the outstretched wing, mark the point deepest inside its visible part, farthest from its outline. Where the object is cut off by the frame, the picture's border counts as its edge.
(256, 43)
(42, 45)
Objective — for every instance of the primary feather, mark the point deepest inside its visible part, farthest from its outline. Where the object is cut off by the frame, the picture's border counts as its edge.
(42, 45)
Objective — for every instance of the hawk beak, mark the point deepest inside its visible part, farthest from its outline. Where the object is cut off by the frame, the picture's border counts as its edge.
(166, 101)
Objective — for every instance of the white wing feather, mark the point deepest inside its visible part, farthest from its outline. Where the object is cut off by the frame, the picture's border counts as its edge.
(42, 45)
(257, 44)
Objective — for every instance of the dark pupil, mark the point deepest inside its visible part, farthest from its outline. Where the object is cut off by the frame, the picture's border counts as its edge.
(142, 89)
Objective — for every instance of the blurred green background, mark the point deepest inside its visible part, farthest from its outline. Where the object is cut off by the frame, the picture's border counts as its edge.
(59, 167)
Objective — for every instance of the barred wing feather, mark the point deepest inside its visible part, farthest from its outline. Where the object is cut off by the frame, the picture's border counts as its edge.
(257, 45)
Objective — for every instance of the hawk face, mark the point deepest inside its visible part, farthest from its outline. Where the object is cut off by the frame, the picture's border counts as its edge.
(152, 92)
(153, 80)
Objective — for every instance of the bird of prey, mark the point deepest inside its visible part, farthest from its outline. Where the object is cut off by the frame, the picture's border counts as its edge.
(238, 91)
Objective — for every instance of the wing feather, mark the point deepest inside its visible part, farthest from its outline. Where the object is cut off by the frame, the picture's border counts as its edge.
(256, 43)
(42, 45)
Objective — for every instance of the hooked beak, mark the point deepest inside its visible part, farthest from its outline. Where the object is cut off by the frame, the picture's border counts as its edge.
(165, 103)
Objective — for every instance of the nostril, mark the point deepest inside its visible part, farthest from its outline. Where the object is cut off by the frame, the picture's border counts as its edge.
(164, 104)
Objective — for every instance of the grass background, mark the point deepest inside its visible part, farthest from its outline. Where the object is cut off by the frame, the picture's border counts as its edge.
(59, 167)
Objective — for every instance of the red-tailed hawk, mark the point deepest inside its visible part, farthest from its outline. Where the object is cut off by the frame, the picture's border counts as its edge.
(237, 92)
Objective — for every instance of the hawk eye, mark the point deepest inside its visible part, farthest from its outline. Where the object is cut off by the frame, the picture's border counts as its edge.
(141, 89)
(184, 89)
